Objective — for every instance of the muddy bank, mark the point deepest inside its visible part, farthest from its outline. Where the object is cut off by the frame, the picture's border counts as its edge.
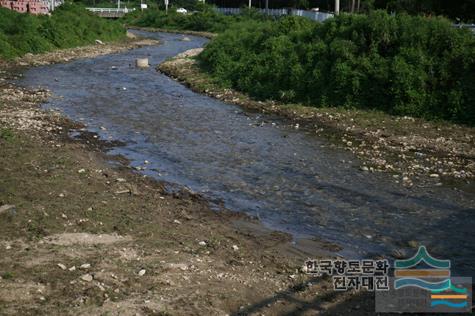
(415, 151)
(82, 237)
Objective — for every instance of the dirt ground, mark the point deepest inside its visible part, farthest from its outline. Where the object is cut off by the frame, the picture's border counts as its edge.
(414, 151)
(80, 235)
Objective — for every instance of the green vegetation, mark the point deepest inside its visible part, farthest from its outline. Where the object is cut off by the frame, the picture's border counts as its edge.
(206, 20)
(6, 134)
(69, 26)
(7, 275)
(403, 65)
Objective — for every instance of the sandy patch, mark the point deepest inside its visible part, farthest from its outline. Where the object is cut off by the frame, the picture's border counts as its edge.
(68, 239)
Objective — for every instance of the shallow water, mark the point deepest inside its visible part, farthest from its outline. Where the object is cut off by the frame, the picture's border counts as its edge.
(292, 180)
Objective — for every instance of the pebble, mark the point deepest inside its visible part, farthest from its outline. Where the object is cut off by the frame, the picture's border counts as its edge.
(62, 266)
(85, 266)
(81, 170)
(177, 266)
(398, 253)
(73, 268)
(202, 243)
(87, 277)
(142, 272)
(6, 208)
(235, 248)
(434, 175)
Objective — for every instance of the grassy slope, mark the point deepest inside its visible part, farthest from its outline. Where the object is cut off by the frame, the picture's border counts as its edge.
(69, 26)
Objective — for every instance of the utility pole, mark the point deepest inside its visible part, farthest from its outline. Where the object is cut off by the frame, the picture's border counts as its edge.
(166, 6)
(118, 4)
(250, 4)
(337, 7)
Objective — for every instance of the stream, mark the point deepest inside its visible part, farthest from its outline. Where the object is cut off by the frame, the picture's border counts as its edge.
(292, 180)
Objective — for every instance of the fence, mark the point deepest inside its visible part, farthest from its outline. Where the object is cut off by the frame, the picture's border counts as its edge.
(110, 12)
(313, 15)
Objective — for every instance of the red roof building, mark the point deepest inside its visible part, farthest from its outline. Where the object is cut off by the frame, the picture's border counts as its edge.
(26, 6)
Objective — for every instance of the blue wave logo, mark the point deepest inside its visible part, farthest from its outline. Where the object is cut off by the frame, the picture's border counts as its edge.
(430, 286)
(442, 292)
(449, 304)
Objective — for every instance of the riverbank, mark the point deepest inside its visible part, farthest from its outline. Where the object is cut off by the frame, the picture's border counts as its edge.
(80, 236)
(414, 151)
(156, 30)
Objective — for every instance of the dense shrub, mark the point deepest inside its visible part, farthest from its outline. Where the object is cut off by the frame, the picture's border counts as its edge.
(205, 20)
(401, 64)
(68, 26)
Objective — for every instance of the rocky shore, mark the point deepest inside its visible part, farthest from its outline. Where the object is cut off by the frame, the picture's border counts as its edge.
(82, 237)
(414, 151)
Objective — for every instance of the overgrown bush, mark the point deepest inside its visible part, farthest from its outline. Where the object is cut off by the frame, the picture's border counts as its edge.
(68, 26)
(401, 64)
(205, 20)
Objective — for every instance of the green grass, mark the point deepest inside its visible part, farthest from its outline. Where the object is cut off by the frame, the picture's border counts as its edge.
(6, 134)
(69, 26)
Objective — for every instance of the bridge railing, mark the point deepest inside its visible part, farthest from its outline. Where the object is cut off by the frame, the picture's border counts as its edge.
(316, 16)
(111, 10)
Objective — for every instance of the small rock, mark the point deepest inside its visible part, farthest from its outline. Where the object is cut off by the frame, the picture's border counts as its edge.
(142, 272)
(5, 208)
(364, 168)
(61, 195)
(398, 253)
(98, 41)
(87, 277)
(202, 243)
(177, 266)
(73, 268)
(85, 266)
(62, 266)
(434, 175)
(81, 170)
(176, 222)
(120, 180)
(235, 248)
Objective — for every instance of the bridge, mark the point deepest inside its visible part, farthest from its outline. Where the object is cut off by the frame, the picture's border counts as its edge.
(112, 13)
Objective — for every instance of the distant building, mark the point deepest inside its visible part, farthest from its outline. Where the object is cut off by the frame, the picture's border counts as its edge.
(31, 6)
